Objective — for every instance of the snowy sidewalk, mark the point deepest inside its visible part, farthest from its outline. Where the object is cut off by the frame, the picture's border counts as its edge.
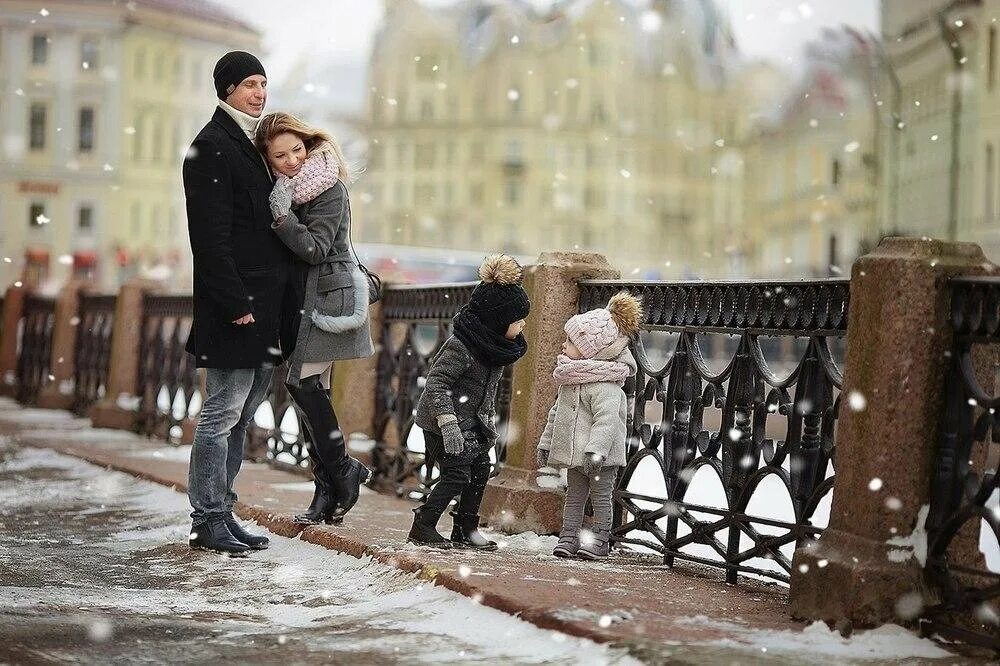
(683, 614)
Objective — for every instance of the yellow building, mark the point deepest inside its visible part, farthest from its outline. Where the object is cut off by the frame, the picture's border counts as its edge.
(812, 167)
(98, 101)
(943, 58)
(592, 126)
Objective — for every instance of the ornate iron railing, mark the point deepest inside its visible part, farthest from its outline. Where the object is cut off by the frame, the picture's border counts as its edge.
(740, 422)
(284, 446)
(416, 320)
(35, 352)
(966, 483)
(93, 349)
(167, 382)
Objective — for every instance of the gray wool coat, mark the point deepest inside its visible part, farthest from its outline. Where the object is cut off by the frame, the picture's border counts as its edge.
(459, 388)
(334, 323)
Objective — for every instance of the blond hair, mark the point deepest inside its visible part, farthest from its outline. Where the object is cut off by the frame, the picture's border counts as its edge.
(274, 124)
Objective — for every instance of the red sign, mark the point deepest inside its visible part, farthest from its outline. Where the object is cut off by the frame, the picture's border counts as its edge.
(36, 187)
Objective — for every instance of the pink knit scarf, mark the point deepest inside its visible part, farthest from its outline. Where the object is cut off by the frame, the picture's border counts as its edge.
(588, 371)
(317, 175)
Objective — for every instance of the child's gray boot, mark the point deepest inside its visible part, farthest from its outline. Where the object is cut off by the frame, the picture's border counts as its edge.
(596, 548)
(569, 544)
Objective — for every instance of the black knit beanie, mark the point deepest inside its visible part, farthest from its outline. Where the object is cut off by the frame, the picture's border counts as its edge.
(499, 300)
(232, 69)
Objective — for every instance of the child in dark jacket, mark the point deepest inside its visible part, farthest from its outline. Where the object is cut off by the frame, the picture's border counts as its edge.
(457, 409)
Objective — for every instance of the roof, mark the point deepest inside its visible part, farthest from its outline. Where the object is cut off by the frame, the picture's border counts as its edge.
(198, 9)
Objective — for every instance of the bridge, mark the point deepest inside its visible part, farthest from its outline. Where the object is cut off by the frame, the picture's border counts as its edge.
(791, 438)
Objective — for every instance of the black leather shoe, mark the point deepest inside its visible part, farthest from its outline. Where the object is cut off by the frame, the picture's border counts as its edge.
(466, 534)
(255, 542)
(322, 509)
(214, 535)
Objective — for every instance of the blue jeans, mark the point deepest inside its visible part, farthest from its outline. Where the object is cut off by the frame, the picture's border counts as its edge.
(232, 398)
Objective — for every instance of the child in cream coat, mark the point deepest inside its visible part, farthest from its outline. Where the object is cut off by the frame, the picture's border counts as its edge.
(586, 428)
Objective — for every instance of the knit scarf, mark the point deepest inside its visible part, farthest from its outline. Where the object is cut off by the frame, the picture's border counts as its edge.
(588, 371)
(488, 347)
(317, 175)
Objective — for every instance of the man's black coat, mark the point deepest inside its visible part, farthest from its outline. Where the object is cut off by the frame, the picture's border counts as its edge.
(240, 264)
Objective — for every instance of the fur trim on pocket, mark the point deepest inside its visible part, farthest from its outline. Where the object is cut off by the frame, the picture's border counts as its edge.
(353, 321)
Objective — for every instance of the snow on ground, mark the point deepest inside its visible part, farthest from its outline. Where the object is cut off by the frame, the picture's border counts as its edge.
(888, 642)
(293, 587)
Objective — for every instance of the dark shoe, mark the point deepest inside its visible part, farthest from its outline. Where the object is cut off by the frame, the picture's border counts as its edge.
(596, 548)
(214, 535)
(424, 533)
(255, 542)
(568, 546)
(466, 534)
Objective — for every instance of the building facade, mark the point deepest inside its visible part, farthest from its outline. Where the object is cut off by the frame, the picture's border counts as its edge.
(941, 75)
(812, 176)
(590, 126)
(98, 102)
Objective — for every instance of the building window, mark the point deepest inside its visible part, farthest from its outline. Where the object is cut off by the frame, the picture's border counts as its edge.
(598, 115)
(512, 192)
(425, 155)
(36, 215)
(424, 195)
(426, 110)
(989, 210)
(136, 218)
(85, 220)
(991, 53)
(196, 75)
(86, 139)
(140, 64)
(89, 53)
(37, 126)
(39, 49)
(835, 173)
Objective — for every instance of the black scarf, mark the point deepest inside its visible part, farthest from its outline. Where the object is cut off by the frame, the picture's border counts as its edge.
(487, 346)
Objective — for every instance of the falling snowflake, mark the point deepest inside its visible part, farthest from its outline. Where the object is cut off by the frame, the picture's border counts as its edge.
(41, 219)
(651, 21)
(464, 571)
(43, 11)
(875, 484)
(857, 401)
(852, 147)
(513, 95)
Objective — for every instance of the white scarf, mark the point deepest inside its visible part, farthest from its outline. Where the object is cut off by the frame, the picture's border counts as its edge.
(246, 122)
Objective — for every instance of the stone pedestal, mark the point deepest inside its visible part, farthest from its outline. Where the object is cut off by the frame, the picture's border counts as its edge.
(898, 347)
(117, 408)
(58, 393)
(13, 307)
(355, 385)
(514, 502)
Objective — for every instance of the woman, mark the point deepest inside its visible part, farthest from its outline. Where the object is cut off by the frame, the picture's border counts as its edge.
(312, 216)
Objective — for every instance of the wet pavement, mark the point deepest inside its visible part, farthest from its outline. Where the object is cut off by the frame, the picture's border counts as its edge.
(94, 568)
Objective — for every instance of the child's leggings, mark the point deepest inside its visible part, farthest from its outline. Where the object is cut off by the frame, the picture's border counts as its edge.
(580, 486)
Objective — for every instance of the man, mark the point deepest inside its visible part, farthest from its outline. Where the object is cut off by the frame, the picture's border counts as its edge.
(240, 272)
